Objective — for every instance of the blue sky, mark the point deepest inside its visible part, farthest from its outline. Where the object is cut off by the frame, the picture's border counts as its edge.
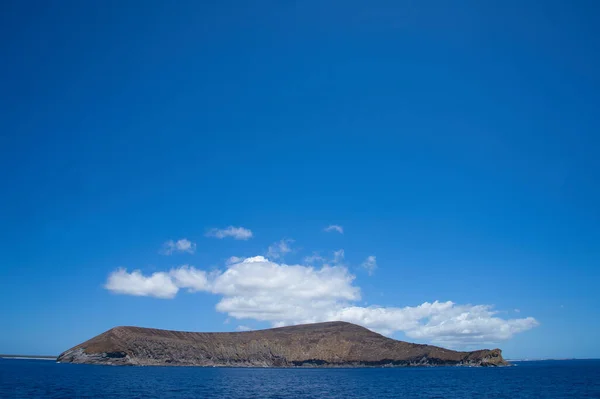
(454, 143)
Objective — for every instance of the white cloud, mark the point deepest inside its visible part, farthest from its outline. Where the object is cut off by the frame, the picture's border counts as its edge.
(334, 227)
(279, 249)
(233, 259)
(262, 290)
(244, 328)
(444, 323)
(472, 324)
(238, 233)
(370, 264)
(283, 295)
(190, 277)
(159, 285)
(182, 245)
(338, 256)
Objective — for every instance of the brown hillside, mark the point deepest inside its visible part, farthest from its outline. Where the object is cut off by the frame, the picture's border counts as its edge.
(322, 344)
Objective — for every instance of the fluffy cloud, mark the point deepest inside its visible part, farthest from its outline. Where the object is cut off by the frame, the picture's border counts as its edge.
(182, 245)
(238, 233)
(279, 249)
(444, 323)
(370, 264)
(259, 289)
(334, 227)
(262, 290)
(190, 278)
(472, 324)
(158, 285)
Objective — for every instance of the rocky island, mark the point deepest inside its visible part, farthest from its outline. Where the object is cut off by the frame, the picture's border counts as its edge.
(331, 344)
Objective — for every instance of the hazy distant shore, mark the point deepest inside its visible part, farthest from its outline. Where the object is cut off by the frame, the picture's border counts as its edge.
(24, 357)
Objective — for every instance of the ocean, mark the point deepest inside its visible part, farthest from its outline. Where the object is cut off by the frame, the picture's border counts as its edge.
(541, 379)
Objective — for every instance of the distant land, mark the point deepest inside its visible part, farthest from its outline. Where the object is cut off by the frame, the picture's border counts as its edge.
(38, 357)
(331, 344)
(552, 359)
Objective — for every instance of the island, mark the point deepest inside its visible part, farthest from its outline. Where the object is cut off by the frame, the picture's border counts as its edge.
(330, 344)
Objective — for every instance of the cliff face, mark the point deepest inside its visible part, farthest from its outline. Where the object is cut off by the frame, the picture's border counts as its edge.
(332, 344)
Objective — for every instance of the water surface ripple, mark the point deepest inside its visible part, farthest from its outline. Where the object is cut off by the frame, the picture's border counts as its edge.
(546, 379)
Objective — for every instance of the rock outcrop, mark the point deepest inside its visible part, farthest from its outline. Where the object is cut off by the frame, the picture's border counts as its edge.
(332, 344)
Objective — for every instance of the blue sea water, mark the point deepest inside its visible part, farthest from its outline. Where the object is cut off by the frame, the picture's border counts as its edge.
(543, 379)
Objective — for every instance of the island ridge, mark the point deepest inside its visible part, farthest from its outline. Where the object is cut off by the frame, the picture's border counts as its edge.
(330, 344)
